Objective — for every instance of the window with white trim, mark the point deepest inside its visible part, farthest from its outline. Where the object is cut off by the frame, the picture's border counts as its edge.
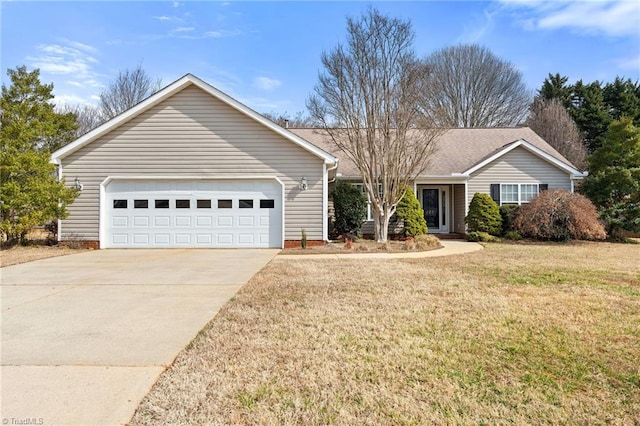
(518, 193)
(362, 189)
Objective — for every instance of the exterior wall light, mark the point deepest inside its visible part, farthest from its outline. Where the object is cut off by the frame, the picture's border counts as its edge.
(303, 184)
(76, 183)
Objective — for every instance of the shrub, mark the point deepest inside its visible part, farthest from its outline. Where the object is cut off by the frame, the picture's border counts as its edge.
(484, 215)
(508, 214)
(512, 235)
(479, 236)
(409, 209)
(350, 208)
(424, 242)
(559, 215)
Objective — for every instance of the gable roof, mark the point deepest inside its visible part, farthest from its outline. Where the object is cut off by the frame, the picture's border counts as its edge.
(459, 151)
(172, 89)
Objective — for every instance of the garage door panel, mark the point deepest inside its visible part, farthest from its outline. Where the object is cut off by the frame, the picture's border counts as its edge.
(194, 214)
(162, 239)
(141, 239)
(120, 221)
(141, 221)
(162, 221)
(245, 221)
(183, 221)
(204, 221)
(225, 221)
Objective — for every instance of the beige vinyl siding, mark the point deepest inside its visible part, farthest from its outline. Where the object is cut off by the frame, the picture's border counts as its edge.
(195, 134)
(518, 166)
(459, 209)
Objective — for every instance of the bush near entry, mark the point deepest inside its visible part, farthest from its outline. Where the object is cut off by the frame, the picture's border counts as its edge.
(484, 215)
(409, 209)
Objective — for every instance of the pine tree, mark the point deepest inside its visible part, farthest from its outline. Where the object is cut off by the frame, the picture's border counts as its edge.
(30, 194)
(613, 184)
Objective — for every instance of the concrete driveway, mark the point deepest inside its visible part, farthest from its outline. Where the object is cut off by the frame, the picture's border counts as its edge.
(84, 337)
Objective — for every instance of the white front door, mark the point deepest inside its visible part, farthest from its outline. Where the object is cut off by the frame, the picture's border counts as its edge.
(435, 203)
(164, 213)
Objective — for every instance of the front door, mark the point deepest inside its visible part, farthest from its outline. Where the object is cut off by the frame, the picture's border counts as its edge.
(434, 203)
(431, 207)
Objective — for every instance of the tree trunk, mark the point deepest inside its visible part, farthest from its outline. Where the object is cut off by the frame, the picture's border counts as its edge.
(381, 224)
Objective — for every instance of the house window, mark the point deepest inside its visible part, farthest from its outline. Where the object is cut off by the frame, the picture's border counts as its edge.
(362, 189)
(119, 204)
(528, 192)
(518, 193)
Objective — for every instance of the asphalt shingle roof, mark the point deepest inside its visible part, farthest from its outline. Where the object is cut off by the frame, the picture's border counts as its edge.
(457, 150)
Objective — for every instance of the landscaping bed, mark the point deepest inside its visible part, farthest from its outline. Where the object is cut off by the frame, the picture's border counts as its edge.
(421, 243)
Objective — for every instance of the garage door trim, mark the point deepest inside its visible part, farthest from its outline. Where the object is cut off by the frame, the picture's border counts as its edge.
(102, 232)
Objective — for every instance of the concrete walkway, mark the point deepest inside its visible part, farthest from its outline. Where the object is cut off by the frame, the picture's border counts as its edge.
(84, 337)
(449, 247)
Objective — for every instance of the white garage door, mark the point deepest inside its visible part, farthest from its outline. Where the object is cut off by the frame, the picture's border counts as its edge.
(193, 214)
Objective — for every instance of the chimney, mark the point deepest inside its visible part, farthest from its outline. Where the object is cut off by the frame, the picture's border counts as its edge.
(286, 123)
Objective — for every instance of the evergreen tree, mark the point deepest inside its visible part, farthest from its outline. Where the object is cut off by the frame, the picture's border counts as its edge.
(590, 113)
(30, 194)
(410, 210)
(613, 183)
(556, 87)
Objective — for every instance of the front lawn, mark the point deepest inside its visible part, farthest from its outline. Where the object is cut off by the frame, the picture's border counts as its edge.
(515, 333)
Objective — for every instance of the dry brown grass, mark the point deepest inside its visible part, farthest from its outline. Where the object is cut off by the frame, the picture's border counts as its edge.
(20, 254)
(518, 334)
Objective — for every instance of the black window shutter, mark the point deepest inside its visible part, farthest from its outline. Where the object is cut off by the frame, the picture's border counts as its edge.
(543, 187)
(495, 192)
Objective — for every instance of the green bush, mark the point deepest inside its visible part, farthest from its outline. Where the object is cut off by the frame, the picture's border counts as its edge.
(350, 208)
(508, 213)
(479, 236)
(409, 209)
(512, 235)
(484, 215)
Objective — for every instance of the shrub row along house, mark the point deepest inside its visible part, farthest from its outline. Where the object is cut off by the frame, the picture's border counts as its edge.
(192, 167)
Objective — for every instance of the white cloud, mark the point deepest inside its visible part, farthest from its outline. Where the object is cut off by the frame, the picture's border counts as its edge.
(163, 18)
(222, 33)
(266, 83)
(73, 60)
(177, 4)
(182, 29)
(616, 18)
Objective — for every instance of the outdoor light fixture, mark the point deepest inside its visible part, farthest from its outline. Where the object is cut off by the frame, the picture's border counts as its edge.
(303, 184)
(79, 186)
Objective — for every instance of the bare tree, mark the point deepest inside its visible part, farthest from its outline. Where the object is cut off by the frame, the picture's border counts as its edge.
(88, 117)
(549, 119)
(468, 86)
(129, 88)
(367, 102)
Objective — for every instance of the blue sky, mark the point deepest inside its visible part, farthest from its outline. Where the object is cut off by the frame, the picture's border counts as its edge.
(267, 54)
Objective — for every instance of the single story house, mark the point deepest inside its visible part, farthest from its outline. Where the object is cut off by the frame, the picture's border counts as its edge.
(511, 164)
(192, 167)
